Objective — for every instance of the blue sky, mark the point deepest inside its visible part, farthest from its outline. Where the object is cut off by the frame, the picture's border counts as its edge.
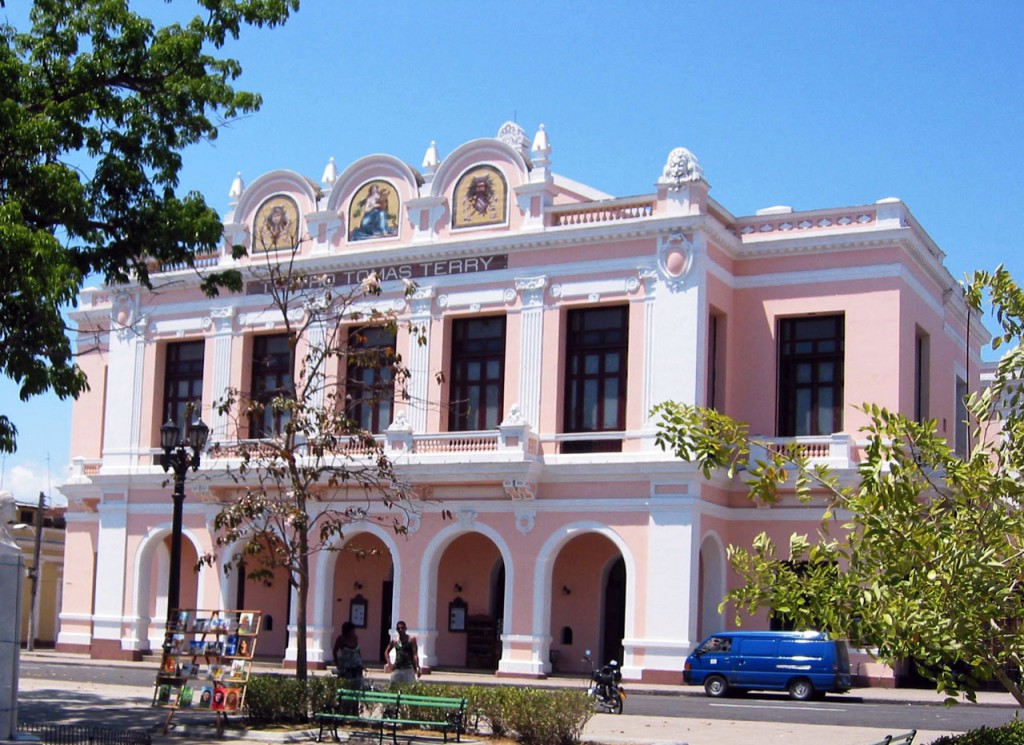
(807, 104)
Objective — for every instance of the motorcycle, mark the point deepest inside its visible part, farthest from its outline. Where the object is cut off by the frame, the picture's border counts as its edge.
(605, 686)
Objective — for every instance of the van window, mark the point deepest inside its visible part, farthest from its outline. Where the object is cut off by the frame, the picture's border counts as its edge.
(715, 644)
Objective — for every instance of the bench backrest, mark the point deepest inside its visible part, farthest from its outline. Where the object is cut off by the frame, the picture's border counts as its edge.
(367, 697)
(431, 702)
(907, 738)
(400, 699)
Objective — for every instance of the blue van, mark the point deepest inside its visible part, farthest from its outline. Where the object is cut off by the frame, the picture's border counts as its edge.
(805, 663)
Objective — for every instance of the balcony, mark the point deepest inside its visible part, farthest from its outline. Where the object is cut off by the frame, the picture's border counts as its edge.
(836, 451)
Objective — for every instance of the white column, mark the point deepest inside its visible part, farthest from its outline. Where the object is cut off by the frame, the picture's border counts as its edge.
(111, 545)
(671, 592)
(125, 375)
(531, 346)
(223, 321)
(317, 339)
(419, 359)
(677, 351)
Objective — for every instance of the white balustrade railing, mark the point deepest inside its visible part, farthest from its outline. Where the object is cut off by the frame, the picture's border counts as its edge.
(805, 222)
(836, 451)
(611, 210)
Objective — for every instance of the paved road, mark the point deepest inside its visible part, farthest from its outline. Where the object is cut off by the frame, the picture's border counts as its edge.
(72, 689)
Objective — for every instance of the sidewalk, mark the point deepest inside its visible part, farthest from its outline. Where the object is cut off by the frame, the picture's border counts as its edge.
(67, 702)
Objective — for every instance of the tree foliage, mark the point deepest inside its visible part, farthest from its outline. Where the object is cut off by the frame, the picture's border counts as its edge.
(921, 557)
(317, 471)
(97, 105)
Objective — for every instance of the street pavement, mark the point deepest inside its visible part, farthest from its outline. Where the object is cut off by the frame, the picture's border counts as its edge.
(123, 706)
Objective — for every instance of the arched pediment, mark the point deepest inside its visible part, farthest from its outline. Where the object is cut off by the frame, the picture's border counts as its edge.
(405, 179)
(481, 152)
(302, 190)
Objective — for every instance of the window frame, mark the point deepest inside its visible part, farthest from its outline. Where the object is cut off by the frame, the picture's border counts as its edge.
(178, 371)
(258, 393)
(465, 351)
(788, 384)
(574, 417)
(375, 412)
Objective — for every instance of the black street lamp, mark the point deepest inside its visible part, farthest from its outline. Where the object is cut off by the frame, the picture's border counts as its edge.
(177, 457)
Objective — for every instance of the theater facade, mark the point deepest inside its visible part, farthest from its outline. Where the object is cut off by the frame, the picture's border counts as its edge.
(555, 317)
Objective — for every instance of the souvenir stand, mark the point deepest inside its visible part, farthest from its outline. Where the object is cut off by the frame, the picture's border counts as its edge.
(206, 662)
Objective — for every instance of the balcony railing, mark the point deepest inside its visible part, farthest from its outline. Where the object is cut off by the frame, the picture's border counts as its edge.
(202, 261)
(610, 210)
(836, 451)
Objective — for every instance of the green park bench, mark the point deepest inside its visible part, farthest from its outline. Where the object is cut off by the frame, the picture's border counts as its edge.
(390, 711)
(907, 738)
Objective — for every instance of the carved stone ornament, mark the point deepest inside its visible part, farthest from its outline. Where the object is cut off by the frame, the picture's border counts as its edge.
(680, 168)
(8, 511)
(220, 319)
(400, 424)
(412, 522)
(675, 259)
(466, 518)
(514, 418)
(532, 290)
(515, 137)
(519, 490)
(525, 520)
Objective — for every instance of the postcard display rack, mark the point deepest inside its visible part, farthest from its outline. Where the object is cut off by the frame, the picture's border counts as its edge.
(206, 661)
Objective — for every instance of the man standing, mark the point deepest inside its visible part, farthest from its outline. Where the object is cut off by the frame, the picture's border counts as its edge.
(404, 666)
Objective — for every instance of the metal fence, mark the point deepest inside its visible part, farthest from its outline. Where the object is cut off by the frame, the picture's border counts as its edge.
(71, 734)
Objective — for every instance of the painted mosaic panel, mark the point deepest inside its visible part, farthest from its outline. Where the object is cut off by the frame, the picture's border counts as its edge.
(276, 226)
(480, 198)
(373, 212)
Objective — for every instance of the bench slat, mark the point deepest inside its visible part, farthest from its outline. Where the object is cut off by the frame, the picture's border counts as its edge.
(391, 714)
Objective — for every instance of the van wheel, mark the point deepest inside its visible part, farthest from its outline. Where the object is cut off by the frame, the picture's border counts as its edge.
(801, 689)
(716, 686)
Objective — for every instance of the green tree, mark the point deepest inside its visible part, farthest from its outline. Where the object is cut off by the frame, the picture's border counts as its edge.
(96, 107)
(920, 557)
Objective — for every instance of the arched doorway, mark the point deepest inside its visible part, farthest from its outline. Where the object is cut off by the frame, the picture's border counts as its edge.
(470, 603)
(588, 602)
(362, 593)
(711, 587)
(268, 591)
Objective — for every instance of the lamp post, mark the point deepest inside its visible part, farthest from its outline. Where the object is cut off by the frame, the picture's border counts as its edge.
(179, 455)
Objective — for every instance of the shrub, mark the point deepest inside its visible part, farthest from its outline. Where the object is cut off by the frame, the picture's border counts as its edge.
(531, 716)
(1009, 734)
(540, 717)
(284, 699)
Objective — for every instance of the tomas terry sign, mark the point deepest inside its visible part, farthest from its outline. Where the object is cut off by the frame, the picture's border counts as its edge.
(414, 272)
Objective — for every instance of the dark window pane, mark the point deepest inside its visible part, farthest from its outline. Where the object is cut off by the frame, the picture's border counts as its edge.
(810, 396)
(477, 373)
(370, 387)
(595, 377)
(271, 378)
(183, 381)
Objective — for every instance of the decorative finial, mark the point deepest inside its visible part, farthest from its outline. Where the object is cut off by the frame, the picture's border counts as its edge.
(330, 173)
(237, 187)
(515, 137)
(430, 159)
(540, 141)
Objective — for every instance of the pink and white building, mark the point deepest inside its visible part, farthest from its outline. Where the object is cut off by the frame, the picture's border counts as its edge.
(562, 315)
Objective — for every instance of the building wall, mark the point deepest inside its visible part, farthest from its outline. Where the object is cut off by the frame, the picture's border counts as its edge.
(619, 552)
